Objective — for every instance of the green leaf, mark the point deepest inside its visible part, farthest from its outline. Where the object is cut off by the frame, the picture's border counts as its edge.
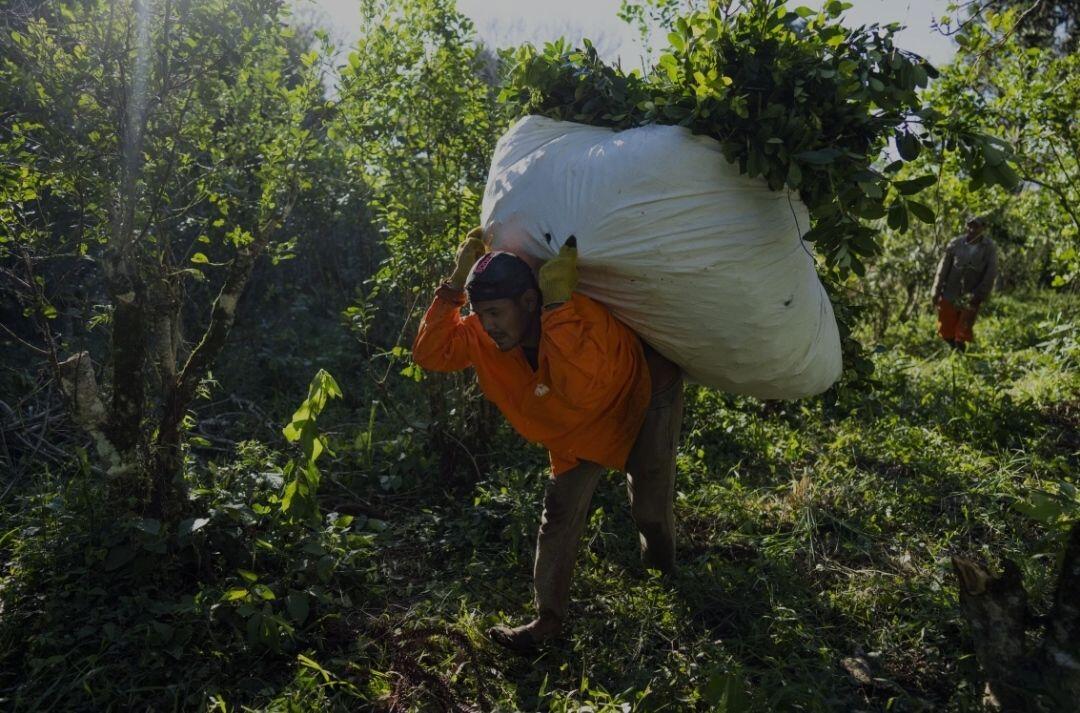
(118, 557)
(200, 259)
(1005, 176)
(254, 629)
(726, 693)
(191, 525)
(264, 592)
(820, 156)
(993, 155)
(298, 606)
(915, 185)
(794, 175)
(898, 217)
(314, 665)
(871, 209)
(908, 146)
(150, 526)
(234, 594)
(921, 78)
(324, 568)
(921, 211)
(864, 244)
(872, 190)
(1041, 506)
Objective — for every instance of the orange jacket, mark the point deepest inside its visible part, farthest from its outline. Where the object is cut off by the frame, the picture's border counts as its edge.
(586, 400)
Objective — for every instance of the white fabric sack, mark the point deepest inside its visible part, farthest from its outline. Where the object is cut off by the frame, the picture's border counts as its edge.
(705, 264)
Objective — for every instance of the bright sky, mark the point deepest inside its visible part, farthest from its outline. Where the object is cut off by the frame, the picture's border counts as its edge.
(500, 23)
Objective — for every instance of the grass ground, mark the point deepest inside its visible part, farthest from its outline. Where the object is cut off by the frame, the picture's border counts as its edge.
(810, 535)
(814, 574)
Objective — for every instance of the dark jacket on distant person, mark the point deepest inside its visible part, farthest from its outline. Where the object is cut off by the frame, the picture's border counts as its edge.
(967, 268)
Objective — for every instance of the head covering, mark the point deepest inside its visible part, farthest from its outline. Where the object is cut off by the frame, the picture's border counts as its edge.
(979, 221)
(499, 275)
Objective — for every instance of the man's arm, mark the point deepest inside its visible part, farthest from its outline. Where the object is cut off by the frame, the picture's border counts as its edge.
(442, 342)
(986, 284)
(942, 276)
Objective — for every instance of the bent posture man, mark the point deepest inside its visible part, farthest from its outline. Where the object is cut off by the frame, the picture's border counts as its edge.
(566, 374)
(964, 279)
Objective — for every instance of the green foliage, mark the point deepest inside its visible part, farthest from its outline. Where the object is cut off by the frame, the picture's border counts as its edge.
(232, 604)
(649, 17)
(1025, 95)
(1057, 508)
(1030, 96)
(418, 116)
(302, 476)
(794, 97)
(165, 146)
(808, 533)
(224, 94)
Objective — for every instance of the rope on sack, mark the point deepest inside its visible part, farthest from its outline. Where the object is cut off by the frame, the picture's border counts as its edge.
(797, 227)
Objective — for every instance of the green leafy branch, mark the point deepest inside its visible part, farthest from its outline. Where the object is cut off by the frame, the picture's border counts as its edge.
(298, 500)
(793, 97)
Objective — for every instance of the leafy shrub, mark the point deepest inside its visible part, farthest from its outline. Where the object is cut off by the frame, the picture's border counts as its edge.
(794, 97)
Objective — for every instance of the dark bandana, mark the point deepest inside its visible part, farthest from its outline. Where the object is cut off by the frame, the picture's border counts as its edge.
(499, 275)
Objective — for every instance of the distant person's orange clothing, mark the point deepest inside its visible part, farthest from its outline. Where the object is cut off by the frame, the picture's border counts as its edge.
(586, 400)
(955, 323)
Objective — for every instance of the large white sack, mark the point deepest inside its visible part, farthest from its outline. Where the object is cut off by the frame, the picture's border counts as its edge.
(705, 264)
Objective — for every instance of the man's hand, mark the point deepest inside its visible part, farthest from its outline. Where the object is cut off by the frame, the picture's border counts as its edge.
(470, 250)
(558, 276)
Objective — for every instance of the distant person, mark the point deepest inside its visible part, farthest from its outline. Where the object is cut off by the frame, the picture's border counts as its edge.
(569, 375)
(965, 278)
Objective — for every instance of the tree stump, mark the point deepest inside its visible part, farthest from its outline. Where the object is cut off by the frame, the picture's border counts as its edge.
(1021, 675)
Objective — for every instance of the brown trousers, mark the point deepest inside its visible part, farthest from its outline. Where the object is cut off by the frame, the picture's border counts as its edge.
(650, 486)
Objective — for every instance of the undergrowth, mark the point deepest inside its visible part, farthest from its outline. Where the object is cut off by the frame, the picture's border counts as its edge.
(814, 542)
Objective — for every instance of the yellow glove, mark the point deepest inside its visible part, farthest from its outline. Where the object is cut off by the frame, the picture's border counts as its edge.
(470, 250)
(558, 276)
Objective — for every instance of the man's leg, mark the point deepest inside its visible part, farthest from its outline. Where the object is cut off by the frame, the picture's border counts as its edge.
(650, 470)
(965, 327)
(946, 323)
(566, 511)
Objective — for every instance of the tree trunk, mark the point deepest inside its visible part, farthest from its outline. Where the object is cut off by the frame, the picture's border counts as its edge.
(1020, 677)
(180, 390)
(128, 350)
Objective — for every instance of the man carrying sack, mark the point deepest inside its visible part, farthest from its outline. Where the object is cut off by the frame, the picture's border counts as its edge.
(965, 277)
(565, 373)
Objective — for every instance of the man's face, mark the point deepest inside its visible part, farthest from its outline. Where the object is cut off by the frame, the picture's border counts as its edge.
(975, 230)
(507, 321)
